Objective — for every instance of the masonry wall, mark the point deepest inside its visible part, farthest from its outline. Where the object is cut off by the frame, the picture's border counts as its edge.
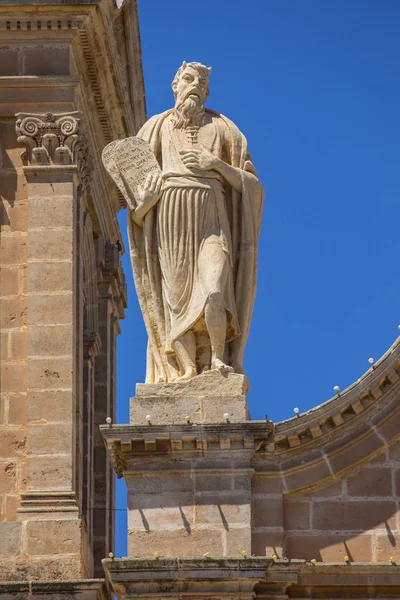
(357, 516)
(14, 339)
(330, 487)
(62, 289)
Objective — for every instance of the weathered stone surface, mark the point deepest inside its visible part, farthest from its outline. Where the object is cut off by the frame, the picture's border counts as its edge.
(197, 306)
(49, 473)
(8, 476)
(212, 383)
(175, 542)
(10, 539)
(200, 409)
(53, 537)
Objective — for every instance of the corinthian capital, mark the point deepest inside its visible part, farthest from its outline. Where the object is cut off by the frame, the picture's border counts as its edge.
(50, 138)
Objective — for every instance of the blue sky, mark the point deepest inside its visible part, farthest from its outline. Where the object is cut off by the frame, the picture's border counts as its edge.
(315, 87)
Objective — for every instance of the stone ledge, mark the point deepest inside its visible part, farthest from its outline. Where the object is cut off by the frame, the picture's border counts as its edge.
(67, 590)
(248, 578)
(128, 441)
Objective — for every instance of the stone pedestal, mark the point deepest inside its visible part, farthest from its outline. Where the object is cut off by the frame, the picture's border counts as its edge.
(205, 399)
(187, 467)
(189, 486)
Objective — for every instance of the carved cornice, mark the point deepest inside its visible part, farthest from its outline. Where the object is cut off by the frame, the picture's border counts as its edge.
(342, 413)
(249, 578)
(128, 441)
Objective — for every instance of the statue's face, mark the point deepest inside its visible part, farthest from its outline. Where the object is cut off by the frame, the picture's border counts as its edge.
(191, 83)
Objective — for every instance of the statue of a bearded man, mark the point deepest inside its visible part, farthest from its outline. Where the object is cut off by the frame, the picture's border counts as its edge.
(193, 237)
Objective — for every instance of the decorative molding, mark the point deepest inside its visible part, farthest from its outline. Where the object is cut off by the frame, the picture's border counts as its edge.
(50, 138)
(248, 578)
(129, 441)
(35, 503)
(56, 140)
(343, 412)
(44, 24)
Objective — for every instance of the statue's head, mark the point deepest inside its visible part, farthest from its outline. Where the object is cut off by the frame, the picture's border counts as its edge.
(190, 87)
(191, 78)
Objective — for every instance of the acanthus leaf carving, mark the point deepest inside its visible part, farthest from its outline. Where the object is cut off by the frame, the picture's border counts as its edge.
(55, 139)
(49, 138)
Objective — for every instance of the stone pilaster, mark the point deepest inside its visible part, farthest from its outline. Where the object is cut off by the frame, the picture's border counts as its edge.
(49, 507)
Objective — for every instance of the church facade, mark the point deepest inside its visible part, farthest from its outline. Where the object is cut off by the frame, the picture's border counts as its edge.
(219, 507)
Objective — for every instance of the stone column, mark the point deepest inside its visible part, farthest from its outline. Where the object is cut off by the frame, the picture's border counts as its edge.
(49, 507)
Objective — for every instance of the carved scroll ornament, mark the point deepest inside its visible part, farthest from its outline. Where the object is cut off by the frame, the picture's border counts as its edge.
(50, 138)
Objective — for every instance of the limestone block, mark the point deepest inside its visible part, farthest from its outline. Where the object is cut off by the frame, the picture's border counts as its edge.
(54, 211)
(268, 543)
(205, 398)
(50, 373)
(268, 513)
(9, 61)
(211, 383)
(175, 542)
(214, 408)
(165, 409)
(50, 341)
(49, 472)
(10, 539)
(49, 406)
(329, 548)
(8, 476)
(19, 345)
(222, 512)
(47, 277)
(41, 569)
(297, 515)
(162, 517)
(48, 537)
(13, 313)
(13, 377)
(9, 281)
(236, 540)
(358, 515)
(160, 483)
(55, 438)
(12, 443)
(11, 504)
(55, 244)
(50, 309)
(371, 482)
(46, 60)
(14, 248)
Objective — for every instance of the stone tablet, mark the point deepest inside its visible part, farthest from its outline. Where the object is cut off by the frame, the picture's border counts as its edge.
(108, 157)
(135, 160)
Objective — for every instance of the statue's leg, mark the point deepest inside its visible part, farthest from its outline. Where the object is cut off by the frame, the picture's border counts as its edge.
(213, 271)
(185, 349)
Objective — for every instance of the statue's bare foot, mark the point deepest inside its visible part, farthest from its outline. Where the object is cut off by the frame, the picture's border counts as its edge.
(188, 374)
(217, 363)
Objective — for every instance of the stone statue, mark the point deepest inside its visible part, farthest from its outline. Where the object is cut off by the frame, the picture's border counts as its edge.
(193, 228)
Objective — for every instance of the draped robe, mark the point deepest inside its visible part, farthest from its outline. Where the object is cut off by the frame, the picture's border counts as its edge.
(171, 305)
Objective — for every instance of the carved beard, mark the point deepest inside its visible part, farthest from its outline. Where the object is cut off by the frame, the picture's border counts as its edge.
(188, 111)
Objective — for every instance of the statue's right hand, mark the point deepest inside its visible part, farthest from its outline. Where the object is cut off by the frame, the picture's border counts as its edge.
(149, 194)
(151, 191)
